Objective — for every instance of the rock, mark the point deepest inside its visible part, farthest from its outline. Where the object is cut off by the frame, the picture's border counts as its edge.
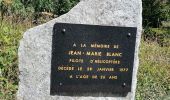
(35, 47)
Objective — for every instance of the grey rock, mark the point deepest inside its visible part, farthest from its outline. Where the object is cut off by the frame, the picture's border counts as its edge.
(35, 47)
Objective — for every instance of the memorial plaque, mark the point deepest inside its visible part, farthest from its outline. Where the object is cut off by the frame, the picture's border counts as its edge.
(92, 59)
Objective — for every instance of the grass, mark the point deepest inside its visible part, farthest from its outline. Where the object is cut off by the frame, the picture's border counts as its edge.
(154, 72)
(153, 76)
(10, 34)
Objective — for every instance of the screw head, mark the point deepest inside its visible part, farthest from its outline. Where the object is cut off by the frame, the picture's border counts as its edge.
(64, 30)
(124, 85)
(129, 35)
(61, 84)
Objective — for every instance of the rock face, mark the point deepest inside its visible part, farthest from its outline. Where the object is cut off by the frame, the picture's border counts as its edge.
(35, 47)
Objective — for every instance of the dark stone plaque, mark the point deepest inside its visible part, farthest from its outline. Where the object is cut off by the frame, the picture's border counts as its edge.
(89, 59)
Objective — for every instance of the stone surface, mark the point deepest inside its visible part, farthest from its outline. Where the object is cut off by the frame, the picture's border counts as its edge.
(35, 47)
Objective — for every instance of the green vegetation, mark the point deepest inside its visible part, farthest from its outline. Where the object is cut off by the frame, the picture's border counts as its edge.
(154, 72)
(33, 9)
(10, 34)
(159, 35)
(156, 14)
(63, 6)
